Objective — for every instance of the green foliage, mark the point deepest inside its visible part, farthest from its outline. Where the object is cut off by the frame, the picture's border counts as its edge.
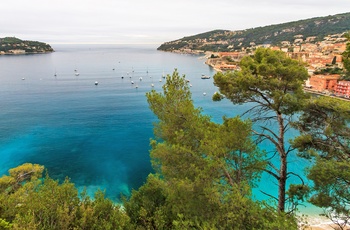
(147, 206)
(47, 204)
(273, 82)
(101, 213)
(206, 170)
(20, 174)
(325, 137)
(4, 224)
(324, 126)
(346, 56)
(329, 70)
(269, 78)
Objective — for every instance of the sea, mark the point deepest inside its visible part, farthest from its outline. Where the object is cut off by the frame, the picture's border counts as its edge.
(76, 112)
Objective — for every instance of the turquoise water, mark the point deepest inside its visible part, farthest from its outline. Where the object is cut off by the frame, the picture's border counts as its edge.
(98, 135)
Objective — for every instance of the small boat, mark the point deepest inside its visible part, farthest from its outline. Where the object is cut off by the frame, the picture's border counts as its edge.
(140, 78)
(23, 78)
(132, 82)
(204, 93)
(190, 85)
(122, 77)
(205, 76)
(136, 86)
(152, 85)
(160, 80)
(76, 74)
(96, 82)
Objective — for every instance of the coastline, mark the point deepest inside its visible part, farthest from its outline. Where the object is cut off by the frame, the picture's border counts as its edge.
(24, 53)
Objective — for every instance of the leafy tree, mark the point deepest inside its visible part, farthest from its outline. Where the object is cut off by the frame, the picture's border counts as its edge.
(17, 176)
(273, 83)
(101, 213)
(43, 203)
(48, 206)
(147, 207)
(206, 170)
(325, 138)
(346, 56)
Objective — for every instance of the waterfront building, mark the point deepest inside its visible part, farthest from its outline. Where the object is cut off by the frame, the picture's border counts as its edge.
(324, 82)
(343, 89)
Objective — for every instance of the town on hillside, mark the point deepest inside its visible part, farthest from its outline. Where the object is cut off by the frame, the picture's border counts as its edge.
(323, 59)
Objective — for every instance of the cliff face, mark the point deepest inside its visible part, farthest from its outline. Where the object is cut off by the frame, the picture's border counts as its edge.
(314, 29)
(12, 45)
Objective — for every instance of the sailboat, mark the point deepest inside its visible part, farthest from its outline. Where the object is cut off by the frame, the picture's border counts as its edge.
(76, 72)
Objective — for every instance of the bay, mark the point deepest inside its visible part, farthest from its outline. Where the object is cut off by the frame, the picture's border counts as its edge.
(97, 135)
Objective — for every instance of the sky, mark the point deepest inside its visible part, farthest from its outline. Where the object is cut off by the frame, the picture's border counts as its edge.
(148, 21)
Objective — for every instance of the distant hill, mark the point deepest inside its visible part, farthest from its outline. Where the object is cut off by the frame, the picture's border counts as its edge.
(226, 40)
(12, 45)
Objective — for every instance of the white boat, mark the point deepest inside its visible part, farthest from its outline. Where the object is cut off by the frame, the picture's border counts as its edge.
(205, 76)
(132, 82)
(140, 78)
(76, 74)
(204, 93)
(152, 85)
(96, 82)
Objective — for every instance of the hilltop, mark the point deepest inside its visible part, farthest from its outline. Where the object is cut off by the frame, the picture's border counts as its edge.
(13, 45)
(314, 29)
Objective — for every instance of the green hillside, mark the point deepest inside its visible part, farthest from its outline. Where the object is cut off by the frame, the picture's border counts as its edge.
(9, 44)
(225, 40)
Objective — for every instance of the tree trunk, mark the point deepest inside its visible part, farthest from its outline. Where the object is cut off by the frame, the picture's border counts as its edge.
(283, 165)
(282, 183)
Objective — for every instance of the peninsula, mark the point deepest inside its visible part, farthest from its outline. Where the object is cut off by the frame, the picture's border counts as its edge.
(13, 45)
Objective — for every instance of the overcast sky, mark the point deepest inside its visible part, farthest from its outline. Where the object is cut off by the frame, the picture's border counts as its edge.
(148, 21)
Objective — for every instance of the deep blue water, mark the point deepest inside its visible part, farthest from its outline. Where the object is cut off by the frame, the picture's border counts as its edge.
(96, 135)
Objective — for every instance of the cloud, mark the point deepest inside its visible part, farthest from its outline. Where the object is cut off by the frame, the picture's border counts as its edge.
(124, 21)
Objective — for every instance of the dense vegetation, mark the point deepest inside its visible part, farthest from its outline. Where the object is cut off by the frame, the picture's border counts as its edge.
(225, 40)
(11, 43)
(205, 171)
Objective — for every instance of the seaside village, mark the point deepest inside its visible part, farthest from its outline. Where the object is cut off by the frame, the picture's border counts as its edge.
(319, 56)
